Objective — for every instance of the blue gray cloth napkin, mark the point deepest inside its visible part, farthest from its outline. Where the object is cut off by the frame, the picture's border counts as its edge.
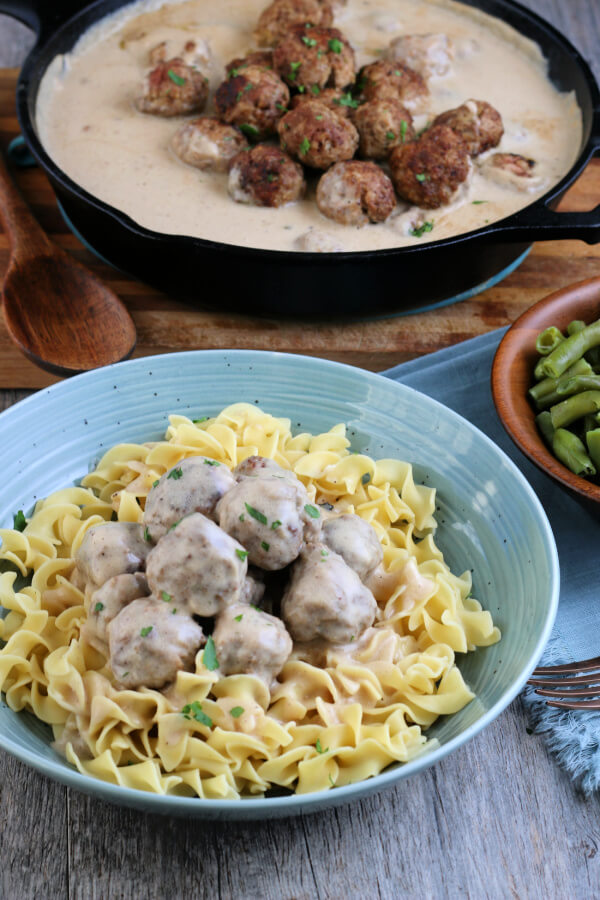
(459, 377)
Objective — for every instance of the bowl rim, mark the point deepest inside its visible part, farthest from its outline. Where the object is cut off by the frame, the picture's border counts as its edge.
(516, 353)
(254, 808)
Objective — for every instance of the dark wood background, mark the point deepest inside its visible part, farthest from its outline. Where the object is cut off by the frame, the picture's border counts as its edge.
(496, 819)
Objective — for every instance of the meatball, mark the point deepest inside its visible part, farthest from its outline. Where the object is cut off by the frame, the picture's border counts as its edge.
(114, 548)
(355, 193)
(249, 641)
(476, 122)
(326, 599)
(382, 124)
(308, 58)
(262, 467)
(253, 100)
(317, 135)
(208, 144)
(355, 541)
(252, 589)
(511, 170)
(428, 171)
(271, 517)
(195, 484)
(336, 99)
(173, 88)
(265, 176)
(150, 643)
(197, 567)
(392, 79)
(107, 602)
(427, 54)
(262, 58)
(277, 19)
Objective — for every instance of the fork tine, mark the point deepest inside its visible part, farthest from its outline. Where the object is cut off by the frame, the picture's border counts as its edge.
(547, 681)
(583, 666)
(571, 692)
(582, 704)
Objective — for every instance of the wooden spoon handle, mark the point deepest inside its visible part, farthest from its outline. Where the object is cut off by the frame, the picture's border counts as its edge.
(26, 236)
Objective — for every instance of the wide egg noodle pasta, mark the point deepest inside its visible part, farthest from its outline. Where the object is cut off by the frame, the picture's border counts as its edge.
(361, 709)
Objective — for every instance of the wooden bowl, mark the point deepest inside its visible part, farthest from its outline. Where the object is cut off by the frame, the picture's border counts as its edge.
(512, 376)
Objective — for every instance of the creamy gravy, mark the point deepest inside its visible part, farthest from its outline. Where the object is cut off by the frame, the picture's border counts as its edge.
(91, 129)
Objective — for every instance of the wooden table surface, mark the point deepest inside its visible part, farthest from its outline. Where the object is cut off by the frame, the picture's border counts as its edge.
(497, 819)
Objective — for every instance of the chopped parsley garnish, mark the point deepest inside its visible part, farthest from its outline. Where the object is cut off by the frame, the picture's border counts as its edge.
(352, 638)
(166, 597)
(271, 178)
(238, 618)
(173, 611)
(319, 748)
(421, 176)
(176, 474)
(294, 70)
(315, 89)
(275, 524)
(390, 136)
(318, 118)
(98, 607)
(366, 478)
(256, 514)
(233, 73)
(301, 88)
(281, 107)
(174, 525)
(19, 521)
(398, 73)
(209, 657)
(211, 462)
(346, 100)
(194, 711)
(310, 42)
(237, 711)
(422, 229)
(249, 86)
(478, 202)
(331, 781)
(242, 517)
(324, 553)
(335, 45)
(249, 130)
(146, 631)
(312, 511)
(154, 483)
(241, 554)
(304, 147)
(265, 546)
(403, 129)
(147, 535)
(176, 79)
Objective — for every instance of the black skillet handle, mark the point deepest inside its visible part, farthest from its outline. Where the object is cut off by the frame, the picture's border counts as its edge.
(540, 223)
(43, 16)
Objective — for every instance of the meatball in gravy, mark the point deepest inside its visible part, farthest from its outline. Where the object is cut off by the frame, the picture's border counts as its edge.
(317, 136)
(208, 144)
(254, 100)
(427, 172)
(114, 548)
(355, 193)
(280, 16)
(249, 641)
(476, 122)
(352, 538)
(107, 602)
(310, 59)
(174, 87)
(265, 176)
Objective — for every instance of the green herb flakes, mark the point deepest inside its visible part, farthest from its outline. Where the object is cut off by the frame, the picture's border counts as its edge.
(319, 748)
(281, 107)
(271, 178)
(403, 129)
(294, 70)
(304, 147)
(346, 100)
(335, 45)
(147, 535)
(421, 177)
(315, 89)
(331, 781)
(176, 79)
(241, 554)
(209, 657)
(166, 597)
(478, 202)
(194, 711)
(155, 483)
(275, 524)
(318, 118)
(242, 517)
(237, 711)
(422, 229)
(265, 546)
(366, 478)
(19, 521)
(312, 511)
(390, 136)
(174, 525)
(98, 607)
(238, 618)
(176, 473)
(256, 514)
(324, 553)
(249, 130)
(200, 421)
(211, 462)
(146, 631)
(310, 42)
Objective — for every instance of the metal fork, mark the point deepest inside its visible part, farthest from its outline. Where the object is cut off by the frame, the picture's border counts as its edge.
(551, 681)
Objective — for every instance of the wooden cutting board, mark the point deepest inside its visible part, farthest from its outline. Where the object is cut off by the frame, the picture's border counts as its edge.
(164, 324)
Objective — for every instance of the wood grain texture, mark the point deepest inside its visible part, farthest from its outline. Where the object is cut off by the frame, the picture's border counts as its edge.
(496, 820)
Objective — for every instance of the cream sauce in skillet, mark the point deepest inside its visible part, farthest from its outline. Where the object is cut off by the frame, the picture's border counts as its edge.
(90, 127)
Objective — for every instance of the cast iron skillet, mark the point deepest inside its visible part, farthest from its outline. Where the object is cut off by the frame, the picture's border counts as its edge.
(278, 283)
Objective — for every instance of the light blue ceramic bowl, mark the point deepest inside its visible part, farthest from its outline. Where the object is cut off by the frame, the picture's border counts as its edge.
(490, 519)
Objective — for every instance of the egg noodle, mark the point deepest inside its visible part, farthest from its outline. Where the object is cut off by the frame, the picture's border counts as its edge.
(322, 726)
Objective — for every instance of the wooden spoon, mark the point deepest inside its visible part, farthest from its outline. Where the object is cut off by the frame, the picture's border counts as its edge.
(57, 312)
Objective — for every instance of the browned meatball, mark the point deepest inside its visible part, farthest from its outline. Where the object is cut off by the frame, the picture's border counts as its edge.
(253, 100)
(336, 99)
(173, 88)
(310, 57)
(317, 135)
(262, 58)
(277, 19)
(208, 144)
(428, 171)
(382, 124)
(385, 78)
(265, 176)
(355, 193)
(476, 122)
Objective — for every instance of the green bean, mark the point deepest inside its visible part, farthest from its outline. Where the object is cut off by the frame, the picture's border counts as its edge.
(571, 349)
(544, 423)
(578, 384)
(592, 440)
(575, 326)
(548, 340)
(574, 408)
(567, 447)
(549, 385)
